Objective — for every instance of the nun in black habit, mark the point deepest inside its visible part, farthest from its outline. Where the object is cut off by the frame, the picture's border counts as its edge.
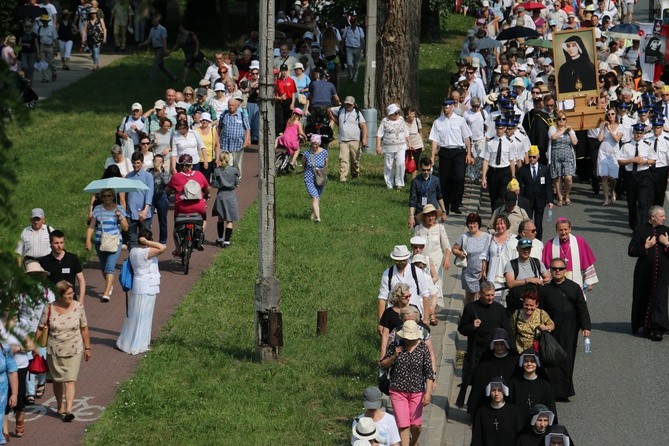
(500, 360)
(529, 388)
(497, 423)
(577, 73)
(541, 419)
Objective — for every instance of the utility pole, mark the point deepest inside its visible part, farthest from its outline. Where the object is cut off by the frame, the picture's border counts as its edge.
(269, 332)
(369, 106)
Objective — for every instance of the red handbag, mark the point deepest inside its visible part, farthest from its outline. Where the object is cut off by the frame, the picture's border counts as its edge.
(37, 365)
(410, 162)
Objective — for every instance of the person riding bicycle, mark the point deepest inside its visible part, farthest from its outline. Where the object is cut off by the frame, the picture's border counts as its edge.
(191, 191)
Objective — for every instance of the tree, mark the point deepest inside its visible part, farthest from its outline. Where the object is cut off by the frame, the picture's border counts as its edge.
(398, 53)
(13, 280)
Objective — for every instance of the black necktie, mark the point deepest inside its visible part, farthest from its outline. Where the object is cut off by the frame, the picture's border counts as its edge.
(534, 173)
(498, 158)
(655, 145)
(636, 153)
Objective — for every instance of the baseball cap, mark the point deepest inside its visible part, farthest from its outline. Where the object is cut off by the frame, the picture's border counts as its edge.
(136, 106)
(37, 213)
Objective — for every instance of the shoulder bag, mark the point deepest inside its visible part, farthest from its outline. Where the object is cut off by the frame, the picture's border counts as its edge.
(320, 175)
(45, 332)
(108, 242)
(551, 352)
(462, 262)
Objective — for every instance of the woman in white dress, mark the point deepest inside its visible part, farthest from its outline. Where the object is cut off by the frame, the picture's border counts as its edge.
(136, 332)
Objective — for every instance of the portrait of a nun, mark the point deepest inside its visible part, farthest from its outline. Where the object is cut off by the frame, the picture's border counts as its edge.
(577, 73)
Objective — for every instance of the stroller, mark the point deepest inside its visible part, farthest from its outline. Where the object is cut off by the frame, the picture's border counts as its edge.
(26, 93)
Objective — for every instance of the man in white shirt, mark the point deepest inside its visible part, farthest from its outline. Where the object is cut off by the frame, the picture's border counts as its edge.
(659, 143)
(34, 239)
(412, 277)
(354, 39)
(498, 163)
(131, 126)
(450, 136)
(637, 156)
(352, 135)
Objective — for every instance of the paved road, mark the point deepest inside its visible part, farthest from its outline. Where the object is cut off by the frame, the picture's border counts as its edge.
(620, 390)
(100, 377)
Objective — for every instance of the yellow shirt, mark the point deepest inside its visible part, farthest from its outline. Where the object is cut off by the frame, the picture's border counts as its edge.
(209, 142)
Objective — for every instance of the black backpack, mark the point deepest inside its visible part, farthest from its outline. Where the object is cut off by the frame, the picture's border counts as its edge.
(514, 300)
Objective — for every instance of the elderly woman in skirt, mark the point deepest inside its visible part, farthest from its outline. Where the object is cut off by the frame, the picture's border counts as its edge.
(226, 177)
(68, 340)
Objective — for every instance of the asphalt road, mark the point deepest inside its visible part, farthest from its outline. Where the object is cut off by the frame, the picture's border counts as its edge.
(621, 386)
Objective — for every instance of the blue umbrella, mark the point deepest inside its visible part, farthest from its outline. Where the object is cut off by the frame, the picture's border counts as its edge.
(624, 31)
(118, 184)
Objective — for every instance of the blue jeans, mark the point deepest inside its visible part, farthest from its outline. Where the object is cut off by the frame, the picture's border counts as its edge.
(41, 377)
(108, 259)
(161, 205)
(353, 62)
(133, 230)
(254, 119)
(95, 54)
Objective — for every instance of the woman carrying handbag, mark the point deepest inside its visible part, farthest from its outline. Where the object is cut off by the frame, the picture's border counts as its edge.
(315, 174)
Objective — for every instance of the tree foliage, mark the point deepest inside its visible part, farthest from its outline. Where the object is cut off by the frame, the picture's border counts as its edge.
(13, 280)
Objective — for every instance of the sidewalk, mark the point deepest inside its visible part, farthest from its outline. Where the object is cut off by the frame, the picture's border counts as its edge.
(81, 65)
(443, 423)
(100, 377)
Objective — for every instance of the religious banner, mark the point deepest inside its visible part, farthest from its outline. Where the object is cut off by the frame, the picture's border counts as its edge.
(575, 54)
(653, 51)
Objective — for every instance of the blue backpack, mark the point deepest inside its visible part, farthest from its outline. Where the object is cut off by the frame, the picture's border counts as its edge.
(127, 275)
(126, 278)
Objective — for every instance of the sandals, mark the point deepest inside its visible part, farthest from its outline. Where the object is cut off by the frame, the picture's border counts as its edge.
(39, 391)
(433, 320)
(559, 203)
(67, 417)
(30, 400)
(20, 428)
(567, 202)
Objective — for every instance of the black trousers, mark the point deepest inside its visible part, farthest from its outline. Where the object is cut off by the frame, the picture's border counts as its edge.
(660, 184)
(639, 196)
(593, 148)
(537, 215)
(452, 175)
(497, 178)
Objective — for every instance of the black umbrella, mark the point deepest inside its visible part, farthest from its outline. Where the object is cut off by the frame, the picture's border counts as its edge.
(516, 32)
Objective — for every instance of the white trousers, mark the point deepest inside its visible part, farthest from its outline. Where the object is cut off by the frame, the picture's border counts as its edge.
(395, 172)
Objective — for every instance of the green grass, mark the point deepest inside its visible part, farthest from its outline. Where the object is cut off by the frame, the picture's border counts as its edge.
(199, 384)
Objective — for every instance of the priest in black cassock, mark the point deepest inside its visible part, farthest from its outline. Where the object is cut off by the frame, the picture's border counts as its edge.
(479, 320)
(530, 389)
(650, 244)
(500, 360)
(497, 423)
(563, 299)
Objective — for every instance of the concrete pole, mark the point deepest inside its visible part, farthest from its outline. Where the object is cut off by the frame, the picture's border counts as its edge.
(369, 106)
(267, 317)
(370, 56)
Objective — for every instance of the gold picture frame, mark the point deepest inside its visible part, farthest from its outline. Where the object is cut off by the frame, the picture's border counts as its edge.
(575, 56)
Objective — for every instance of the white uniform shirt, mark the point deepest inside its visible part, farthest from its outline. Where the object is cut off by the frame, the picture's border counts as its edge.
(450, 132)
(628, 151)
(490, 152)
(662, 146)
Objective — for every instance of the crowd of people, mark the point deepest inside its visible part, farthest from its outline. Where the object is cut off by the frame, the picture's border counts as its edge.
(502, 124)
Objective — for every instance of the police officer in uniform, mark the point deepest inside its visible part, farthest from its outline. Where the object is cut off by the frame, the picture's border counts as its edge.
(637, 156)
(659, 142)
(498, 163)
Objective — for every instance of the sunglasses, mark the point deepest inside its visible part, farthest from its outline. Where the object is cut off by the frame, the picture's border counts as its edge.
(533, 157)
(557, 268)
(562, 119)
(144, 143)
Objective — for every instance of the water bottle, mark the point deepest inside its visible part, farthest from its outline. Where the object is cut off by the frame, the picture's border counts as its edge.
(587, 344)
(549, 215)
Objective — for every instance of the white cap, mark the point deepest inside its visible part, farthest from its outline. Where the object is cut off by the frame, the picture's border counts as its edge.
(529, 61)
(392, 109)
(547, 61)
(136, 106)
(205, 117)
(522, 67)
(255, 64)
(518, 82)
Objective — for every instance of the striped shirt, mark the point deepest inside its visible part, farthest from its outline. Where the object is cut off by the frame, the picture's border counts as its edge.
(34, 243)
(108, 219)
